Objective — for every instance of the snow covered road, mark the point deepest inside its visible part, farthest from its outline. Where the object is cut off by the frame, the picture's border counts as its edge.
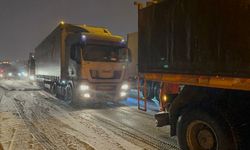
(31, 118)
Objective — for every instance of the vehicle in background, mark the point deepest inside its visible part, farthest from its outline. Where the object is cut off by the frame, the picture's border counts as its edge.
(31, 67)
(8, 71)
(82, 62)
(203, 45)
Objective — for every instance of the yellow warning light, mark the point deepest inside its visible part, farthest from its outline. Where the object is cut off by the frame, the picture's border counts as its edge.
(62, 22)
(165, 98)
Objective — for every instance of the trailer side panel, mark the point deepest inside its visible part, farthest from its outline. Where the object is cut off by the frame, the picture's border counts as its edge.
(197, 37)
(48, 55)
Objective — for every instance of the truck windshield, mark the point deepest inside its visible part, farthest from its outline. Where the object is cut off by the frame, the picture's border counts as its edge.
(105, 53)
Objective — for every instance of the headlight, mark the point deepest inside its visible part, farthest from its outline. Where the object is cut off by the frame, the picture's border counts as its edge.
(84, 87)
(32, 77)
(10, 74)
(125, 86)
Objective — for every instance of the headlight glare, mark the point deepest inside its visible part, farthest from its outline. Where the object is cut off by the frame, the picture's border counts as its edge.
(123, 94)
(24, 74)
(84, 87)
(125, 86)
(10, 74)
(32, 77)
(86, 95)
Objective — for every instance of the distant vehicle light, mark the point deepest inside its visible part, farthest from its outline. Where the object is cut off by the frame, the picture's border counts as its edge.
(123, 94)
(24, 74)
(86, 95)
(122, 41)
(84, 87)
(63, 82)
(10, 74)
(19, 74)
(1, 75)
(32, 78)
(125, 86)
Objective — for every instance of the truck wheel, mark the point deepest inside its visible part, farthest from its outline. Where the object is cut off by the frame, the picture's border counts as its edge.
(68, 95)
(41, 85)
(197, 130)
(53, 89)
(71, 96)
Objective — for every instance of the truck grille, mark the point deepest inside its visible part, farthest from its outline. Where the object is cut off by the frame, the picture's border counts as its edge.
(95, 74)
(105, 87)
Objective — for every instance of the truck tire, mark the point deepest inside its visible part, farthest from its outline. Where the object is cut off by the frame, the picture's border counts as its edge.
(198, 130)
(68, 94)
(53, 89)
(41, 84)
(71, 96)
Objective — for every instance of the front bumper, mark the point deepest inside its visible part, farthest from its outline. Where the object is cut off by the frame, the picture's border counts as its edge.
(103, 90)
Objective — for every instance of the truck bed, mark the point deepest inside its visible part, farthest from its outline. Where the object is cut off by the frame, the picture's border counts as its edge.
(196, 38)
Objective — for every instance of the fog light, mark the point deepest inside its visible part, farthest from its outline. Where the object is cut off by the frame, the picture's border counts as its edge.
(124, 86)
(123, 94)
(86, 95)
(84, 87)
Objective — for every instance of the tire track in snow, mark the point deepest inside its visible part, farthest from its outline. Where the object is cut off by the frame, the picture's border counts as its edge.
(2, 93)
(53, 135)
(41, 137)
(132, 135)
(129, 132)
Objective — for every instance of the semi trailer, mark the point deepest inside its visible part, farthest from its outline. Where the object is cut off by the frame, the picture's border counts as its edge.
(203, 46)
(82, 62)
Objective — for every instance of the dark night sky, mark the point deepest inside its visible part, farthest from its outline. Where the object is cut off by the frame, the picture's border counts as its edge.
(25, 23)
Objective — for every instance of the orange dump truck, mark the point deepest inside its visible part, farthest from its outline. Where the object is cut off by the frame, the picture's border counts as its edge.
(203, 46)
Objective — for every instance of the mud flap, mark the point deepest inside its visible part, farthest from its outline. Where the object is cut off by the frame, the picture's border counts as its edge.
(162, 119)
